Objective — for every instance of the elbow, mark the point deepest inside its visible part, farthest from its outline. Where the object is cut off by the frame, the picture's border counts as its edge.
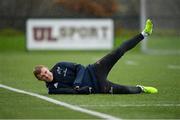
(50, 92)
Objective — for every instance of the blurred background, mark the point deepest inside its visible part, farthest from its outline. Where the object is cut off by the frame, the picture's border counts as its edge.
(128, 17)
(155, 62)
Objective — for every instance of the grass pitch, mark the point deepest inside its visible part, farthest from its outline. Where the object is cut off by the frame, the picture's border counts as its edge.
(16, 65)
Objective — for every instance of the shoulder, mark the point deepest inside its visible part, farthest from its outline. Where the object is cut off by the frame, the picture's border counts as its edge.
(65, 63)
(68, 64)
(60, 64)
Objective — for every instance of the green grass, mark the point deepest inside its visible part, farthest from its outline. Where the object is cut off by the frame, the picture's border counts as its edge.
(23, 106)
(16, 66)
(164, 42)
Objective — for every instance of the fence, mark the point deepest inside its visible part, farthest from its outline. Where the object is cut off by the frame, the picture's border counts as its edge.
(126, 13)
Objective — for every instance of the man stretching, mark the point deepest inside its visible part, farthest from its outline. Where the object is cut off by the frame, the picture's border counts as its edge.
(72, 78)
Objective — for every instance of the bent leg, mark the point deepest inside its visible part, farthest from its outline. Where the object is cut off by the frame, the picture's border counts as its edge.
(122, 89)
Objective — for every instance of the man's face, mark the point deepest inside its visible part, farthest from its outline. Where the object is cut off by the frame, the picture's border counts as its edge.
(45, 75)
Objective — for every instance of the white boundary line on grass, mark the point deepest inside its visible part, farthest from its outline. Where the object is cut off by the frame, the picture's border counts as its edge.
(134, 105)
(72, 107)
(173, 67)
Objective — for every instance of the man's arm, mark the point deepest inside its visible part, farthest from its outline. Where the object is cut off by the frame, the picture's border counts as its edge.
(83, 90)
(79, 75)
(77, 68)
(62, 91)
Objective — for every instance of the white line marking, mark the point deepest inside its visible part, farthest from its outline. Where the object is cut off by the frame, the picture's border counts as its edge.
(173, 66)
(134, 105)
(72, 107)
(130, 62)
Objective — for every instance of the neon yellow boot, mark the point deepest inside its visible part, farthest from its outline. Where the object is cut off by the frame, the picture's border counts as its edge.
(148, 28)
(148, 90)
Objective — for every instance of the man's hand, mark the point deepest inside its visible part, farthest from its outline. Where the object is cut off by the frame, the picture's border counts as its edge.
(76, 87)
(84, 90)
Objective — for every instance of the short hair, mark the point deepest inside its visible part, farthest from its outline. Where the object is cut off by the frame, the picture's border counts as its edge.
(37, 70)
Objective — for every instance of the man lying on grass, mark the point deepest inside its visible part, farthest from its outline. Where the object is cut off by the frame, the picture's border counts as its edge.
(71, 78)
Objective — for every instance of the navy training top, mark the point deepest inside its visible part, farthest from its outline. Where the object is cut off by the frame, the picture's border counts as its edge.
(66, 74)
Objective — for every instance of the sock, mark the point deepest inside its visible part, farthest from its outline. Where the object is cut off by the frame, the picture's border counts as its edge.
(144, 34)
